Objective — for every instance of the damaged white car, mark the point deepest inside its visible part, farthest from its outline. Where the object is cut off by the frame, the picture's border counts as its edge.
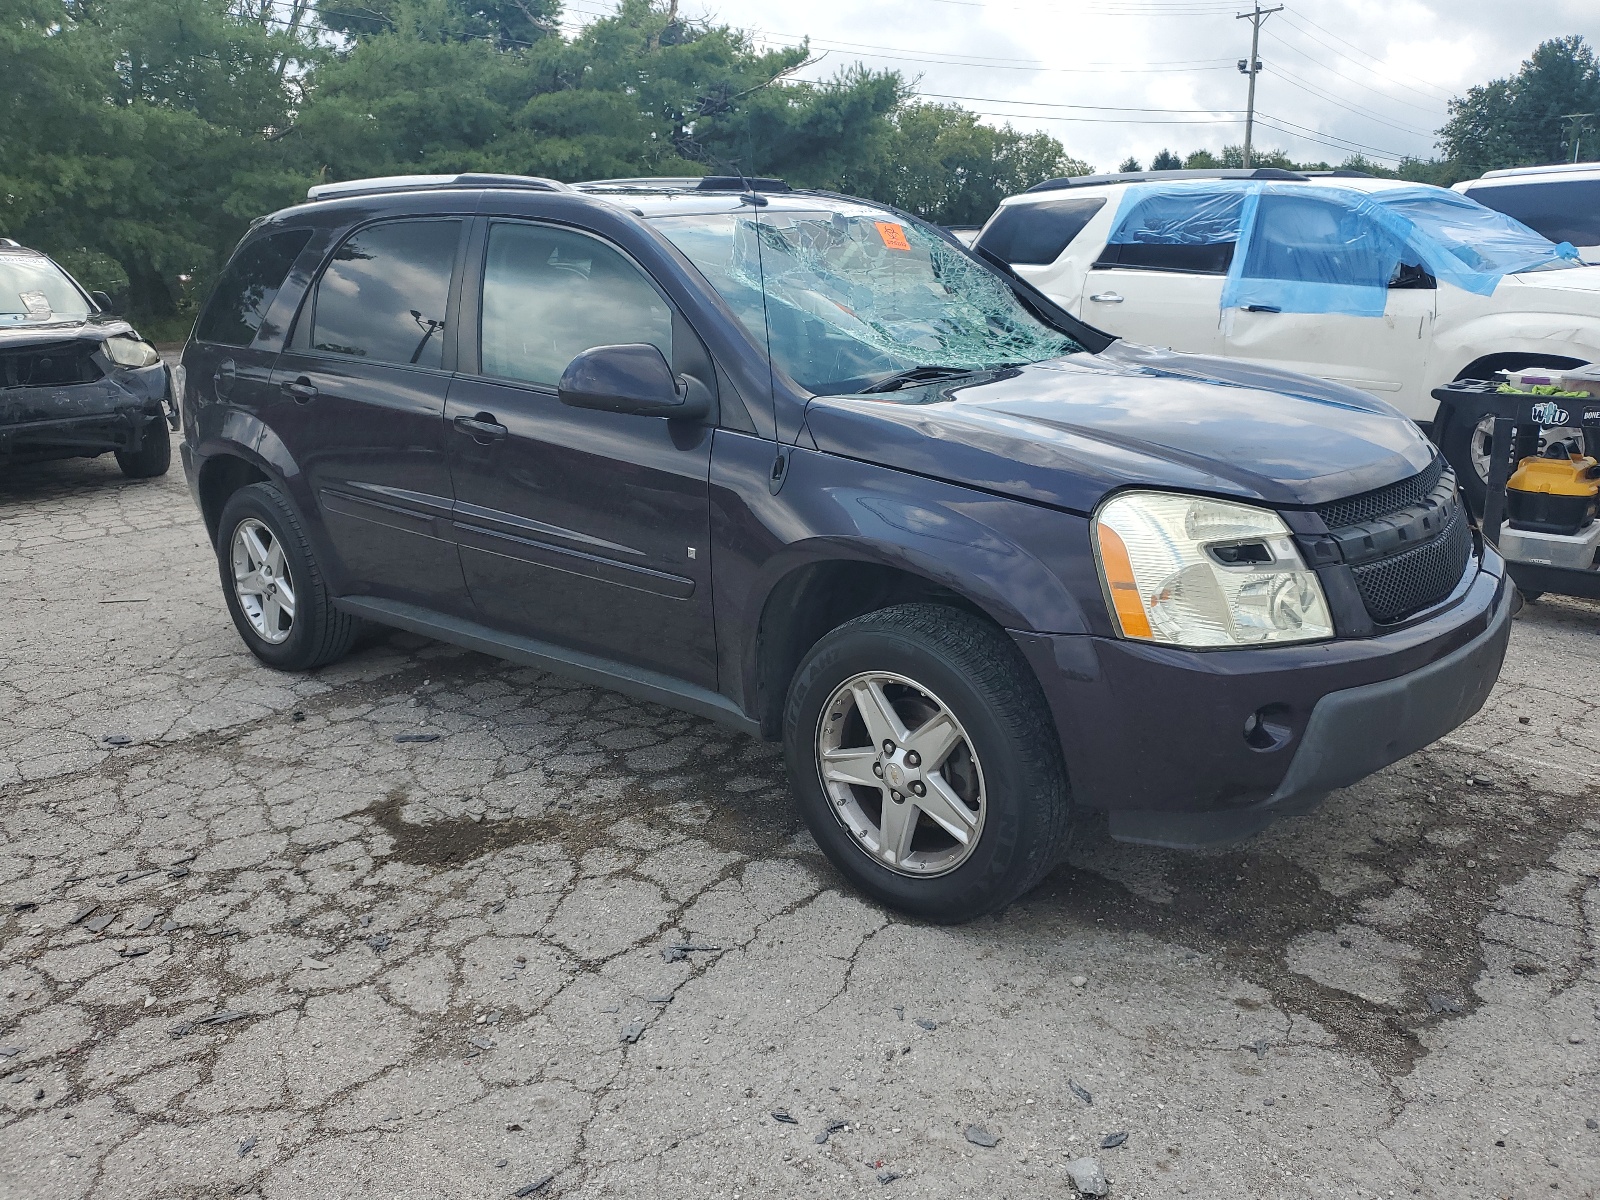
(1389, 287)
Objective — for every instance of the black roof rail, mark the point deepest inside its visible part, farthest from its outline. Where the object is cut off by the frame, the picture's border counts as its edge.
(414, 183)
(688, 183)
(1278, 173)
(1340, 173)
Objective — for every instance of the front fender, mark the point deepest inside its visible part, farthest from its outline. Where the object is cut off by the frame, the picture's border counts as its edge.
(1560, 335)
(1027, 566)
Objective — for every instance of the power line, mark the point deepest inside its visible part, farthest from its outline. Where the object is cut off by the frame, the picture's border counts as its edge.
(1313, 90)
(1431, 111)
(1314, 135)
(1109, 68)
(1294, 18)
(1011, 116)
(984, 59)
(1095, 107)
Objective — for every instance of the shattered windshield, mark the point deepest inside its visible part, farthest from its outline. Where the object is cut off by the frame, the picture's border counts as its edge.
(846, 298)
(34, 289)
(1482, 239)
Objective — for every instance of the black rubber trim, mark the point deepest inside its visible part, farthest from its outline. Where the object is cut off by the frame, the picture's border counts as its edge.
(589, 668)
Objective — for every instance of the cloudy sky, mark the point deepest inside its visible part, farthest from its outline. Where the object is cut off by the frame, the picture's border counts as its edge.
(1113, 78)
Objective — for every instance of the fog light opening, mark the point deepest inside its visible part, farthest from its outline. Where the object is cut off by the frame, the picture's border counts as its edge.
(1268, 728)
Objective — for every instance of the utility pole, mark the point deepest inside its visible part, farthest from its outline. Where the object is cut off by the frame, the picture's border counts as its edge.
(1252, 67)
(1576, 136)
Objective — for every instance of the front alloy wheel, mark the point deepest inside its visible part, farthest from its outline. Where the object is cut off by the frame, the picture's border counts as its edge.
(901, 774)
(262, 581)
(925, 762)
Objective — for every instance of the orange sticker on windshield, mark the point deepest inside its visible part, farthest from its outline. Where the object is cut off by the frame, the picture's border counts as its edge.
(893, 235)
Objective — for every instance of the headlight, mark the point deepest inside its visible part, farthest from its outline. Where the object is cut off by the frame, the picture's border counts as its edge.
(1190, 571)
(131, 352)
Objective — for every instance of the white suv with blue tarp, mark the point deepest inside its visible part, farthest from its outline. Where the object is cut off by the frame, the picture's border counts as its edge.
(1389, 287)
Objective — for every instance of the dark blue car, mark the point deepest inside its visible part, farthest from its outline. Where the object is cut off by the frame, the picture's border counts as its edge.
(805, 465)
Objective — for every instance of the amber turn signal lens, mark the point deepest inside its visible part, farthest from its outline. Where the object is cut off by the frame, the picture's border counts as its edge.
(1125, 600)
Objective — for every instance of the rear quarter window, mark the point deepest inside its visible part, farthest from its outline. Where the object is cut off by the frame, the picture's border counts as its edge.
(1036, 234)
(1563, 210)
(248, 287)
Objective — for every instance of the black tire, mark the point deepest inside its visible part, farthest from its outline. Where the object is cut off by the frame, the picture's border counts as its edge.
(1530, 597)
(319, 633)
(154, 454)
(982, 678)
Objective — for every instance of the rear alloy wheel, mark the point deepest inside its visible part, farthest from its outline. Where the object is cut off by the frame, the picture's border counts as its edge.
(273, 586)
(262, 583)
(923, 760)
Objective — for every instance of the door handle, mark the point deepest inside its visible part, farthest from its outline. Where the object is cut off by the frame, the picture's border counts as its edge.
(482, 428)
(1106, 298)
(1262, 308)
(302, 389)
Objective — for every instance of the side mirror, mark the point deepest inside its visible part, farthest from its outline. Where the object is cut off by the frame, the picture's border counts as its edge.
(101, 301)
(629, 379)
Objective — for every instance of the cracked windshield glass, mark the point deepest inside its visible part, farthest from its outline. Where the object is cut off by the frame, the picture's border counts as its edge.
(857, 301)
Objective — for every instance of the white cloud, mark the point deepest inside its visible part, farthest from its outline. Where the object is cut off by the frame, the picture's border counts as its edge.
(1374, 74)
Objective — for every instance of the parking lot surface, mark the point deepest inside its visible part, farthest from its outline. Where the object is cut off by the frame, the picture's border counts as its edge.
(426, 924)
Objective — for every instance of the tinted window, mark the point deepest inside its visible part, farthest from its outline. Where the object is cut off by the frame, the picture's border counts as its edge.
(1312, 240)
(1206, 259)
(1038, 233)
(248, 286)
(383, 296)
(1186, 229)
(550, 294)
(1563, 211)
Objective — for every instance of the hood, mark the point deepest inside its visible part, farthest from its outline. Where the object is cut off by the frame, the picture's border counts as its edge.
(1572, 292)
(96, 328)
(1068, 431)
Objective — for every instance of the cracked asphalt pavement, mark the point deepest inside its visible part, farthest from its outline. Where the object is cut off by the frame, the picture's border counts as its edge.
(425, 924)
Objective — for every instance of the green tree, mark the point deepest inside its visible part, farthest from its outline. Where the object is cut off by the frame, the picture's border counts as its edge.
(940, 162)
(1166, 160)
(144, 134)
(138, 138)
(1519, 120)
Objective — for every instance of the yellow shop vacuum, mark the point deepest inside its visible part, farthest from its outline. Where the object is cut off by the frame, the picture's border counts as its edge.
(1541, 505)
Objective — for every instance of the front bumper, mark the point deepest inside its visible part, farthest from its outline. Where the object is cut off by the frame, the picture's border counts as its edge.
(87, 418)
(1157, 737)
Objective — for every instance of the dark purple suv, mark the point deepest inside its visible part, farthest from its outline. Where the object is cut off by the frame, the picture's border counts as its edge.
(805, 465)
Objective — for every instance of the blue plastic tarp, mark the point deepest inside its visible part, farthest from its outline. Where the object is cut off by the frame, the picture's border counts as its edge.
(1332, 249)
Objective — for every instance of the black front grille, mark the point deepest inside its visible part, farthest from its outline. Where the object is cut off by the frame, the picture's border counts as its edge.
(1393, 588)
(1369, 506)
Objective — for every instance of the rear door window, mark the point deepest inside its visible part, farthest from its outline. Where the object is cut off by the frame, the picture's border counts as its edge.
(1562, 210)
(1184, 230)
(382, 298)
(550, 294)
(248, 287)
(1036, 234)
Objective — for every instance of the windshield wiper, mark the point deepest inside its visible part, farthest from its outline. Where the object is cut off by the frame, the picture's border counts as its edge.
(913, 376)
